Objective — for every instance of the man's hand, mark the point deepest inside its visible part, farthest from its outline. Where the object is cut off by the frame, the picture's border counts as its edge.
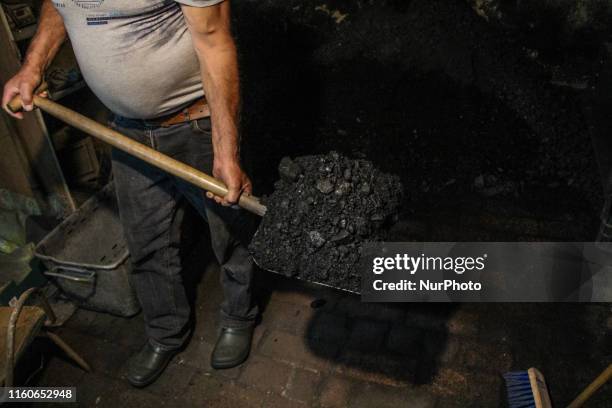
(235, 179)
(49, 37)
(23, 83)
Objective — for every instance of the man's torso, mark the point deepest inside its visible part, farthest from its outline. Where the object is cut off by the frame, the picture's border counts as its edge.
(136, 55)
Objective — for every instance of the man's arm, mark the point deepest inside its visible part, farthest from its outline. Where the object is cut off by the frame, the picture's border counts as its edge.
(212, 38)
(49, 37)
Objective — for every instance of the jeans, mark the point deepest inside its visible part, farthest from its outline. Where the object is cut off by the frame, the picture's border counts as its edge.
(148, 202)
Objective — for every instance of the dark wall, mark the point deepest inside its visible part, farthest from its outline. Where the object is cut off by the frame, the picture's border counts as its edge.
(428, 89)
(551, 23)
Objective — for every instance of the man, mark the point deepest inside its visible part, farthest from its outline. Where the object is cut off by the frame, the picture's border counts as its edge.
(151, 62)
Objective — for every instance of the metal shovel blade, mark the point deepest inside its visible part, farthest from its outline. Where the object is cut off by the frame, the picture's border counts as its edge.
(297, 277)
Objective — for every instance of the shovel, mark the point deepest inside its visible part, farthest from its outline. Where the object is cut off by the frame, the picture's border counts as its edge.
(143, 152)
(147, 154)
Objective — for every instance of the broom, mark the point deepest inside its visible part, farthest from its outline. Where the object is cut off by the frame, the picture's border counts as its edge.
(527, 389)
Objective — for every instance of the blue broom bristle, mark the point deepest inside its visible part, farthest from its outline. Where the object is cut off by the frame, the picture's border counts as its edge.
(519, 390)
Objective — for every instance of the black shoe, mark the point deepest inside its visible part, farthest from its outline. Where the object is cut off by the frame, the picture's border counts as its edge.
(147, 365)
(232, 348)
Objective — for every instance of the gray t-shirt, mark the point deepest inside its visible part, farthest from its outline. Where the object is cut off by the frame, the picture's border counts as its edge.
(135, 55)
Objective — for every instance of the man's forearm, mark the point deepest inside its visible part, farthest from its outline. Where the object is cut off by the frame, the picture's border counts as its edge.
(48, 39)
(216, 51)
(221, 86)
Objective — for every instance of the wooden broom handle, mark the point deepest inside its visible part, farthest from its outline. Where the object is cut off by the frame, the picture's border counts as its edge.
(594, 386)
(145, 153)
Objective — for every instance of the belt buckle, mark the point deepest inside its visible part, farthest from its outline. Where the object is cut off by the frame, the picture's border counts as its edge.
(187, 115)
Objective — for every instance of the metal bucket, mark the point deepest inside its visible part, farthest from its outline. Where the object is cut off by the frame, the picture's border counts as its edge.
(87, 257)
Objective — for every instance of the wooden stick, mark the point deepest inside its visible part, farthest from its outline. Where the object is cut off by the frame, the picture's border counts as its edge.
(590, 390)
(145, 153)
(69, 351)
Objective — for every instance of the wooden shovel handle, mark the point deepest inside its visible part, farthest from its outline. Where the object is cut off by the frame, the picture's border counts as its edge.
(145, 153)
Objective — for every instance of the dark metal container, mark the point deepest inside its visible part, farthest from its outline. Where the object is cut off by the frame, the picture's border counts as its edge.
(87, 257)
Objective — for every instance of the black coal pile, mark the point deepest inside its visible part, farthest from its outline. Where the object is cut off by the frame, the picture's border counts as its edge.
(323, 209)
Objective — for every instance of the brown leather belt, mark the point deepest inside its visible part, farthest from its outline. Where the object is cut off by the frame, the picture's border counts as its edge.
(197, 110)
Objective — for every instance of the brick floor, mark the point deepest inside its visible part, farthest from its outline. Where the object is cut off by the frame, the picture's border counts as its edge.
(335, 392)
(339, 352)
(291, 348)
(302, 385)
(266, 374)
(290, 317)
(373, 395)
